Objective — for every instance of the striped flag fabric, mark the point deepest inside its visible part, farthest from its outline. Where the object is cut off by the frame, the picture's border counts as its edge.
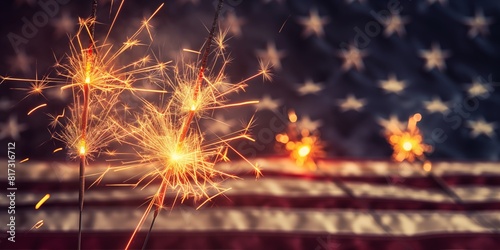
(344, 205)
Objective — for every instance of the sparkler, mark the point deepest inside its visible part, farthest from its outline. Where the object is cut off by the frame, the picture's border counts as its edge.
(165, 138)
(304, 145)
(84, 120)
(408, 145)
(96, 82)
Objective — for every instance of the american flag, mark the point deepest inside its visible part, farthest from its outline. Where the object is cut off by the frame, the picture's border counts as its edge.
(349, 68)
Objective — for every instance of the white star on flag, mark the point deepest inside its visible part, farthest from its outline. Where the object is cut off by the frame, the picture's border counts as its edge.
(353, 58)
(395, 24)
(309, 87)
(11, 129)
(351, 103)
(233, 23)
(220, 125)
(306, 123)
(313, 25)
(21, 62)
(436, 105)
(64, 25)
(268, 103)
(393, 85)
(478, 89)
(434, 58)
(272, 55)
(480, 126)
(478, 25)
(392, 124)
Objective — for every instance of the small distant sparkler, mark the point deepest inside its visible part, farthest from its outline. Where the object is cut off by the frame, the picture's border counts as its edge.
(304, 145)
(408, 145)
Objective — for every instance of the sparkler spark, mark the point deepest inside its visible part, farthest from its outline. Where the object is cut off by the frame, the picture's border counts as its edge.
(304, 145)
(37, 107)
(408, 144)
(37, 225)
(43, 200)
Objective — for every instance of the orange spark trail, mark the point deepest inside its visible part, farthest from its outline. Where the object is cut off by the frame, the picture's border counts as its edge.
(37, 225)
(43, 200)
(37, 107)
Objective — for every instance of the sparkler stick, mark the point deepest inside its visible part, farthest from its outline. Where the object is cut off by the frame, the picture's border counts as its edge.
(187, 122)
(86, 97)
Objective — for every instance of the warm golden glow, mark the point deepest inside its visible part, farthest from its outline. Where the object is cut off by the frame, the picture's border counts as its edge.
(427, 166)
(292, 116)
(304, 150)
(82, 149)
(304, 145)
(87, 72)
(408, 144)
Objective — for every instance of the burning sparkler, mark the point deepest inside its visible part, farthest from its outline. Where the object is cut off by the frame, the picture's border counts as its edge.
(165, 138)
(304, 145)
(90, 72)
(408, 145)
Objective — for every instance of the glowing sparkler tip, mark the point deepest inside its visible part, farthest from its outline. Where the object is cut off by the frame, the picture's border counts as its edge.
(304, 150)
(82, 150)
(407, 146)
(193, 107)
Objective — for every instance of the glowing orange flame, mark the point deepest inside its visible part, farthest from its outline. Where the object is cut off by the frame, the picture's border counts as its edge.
(304, 145)
(408, 144)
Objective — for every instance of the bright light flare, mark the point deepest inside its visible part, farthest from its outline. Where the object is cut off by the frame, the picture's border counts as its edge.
(304, 150)
(303, 145)
(408, 144)
(81, 149)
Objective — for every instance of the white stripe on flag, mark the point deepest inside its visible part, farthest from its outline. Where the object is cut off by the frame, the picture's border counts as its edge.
(56, 171)
(278, 187)
(185, 219)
